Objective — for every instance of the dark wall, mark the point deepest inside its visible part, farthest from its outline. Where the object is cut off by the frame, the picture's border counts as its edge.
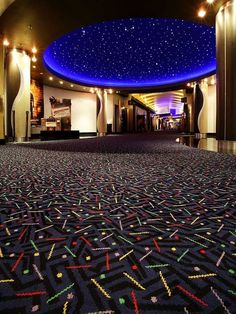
(12, 88)
(226, 74)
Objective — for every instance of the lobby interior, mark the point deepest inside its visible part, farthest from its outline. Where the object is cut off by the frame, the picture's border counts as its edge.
(117, 156)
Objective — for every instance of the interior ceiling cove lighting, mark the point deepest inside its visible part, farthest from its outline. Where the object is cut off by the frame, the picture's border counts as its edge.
(134, 52)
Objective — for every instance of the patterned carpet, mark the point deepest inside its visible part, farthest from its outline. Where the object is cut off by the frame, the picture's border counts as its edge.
(122, 224)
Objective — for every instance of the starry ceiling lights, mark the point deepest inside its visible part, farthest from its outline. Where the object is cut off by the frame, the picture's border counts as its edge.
(135, 52)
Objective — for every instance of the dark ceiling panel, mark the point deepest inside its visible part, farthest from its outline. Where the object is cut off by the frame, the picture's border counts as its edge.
(28, 22)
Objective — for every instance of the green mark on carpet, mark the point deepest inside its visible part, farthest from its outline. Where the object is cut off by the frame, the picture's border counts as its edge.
(60, 293)
(68, 250)
(34, 245)
(126, 240)
(121, 300)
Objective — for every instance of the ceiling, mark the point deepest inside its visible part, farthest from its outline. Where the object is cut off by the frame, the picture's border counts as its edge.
(27, 23)
(154, 100)
(134, 53)
(4, 4)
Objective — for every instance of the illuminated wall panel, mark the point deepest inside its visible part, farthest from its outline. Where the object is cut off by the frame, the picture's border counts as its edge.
(83, 108)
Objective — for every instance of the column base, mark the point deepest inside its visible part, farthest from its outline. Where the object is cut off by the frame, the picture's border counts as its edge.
(21, 139)
(101, 134)
(2, 141)
(200, 135)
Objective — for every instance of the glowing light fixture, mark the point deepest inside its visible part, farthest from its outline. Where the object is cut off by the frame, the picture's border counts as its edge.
(34, 50)
(50, 78)
(61, 82)
(6, 42)
(71, 85)
(202, 13)
(34, 59)
(210, 1)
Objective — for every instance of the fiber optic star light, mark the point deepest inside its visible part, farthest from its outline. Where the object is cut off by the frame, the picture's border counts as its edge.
(134, 53)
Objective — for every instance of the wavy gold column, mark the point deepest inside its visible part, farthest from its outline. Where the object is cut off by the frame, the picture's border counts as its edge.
(102, 115)
(2, 132)
(21, 105)
(203, 114)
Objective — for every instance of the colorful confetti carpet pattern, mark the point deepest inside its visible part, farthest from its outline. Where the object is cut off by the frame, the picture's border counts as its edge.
(122, 224)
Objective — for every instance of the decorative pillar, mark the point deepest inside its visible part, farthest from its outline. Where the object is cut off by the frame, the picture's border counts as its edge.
(189, 95)
(205, 108)
(102, 114)
(18, 95)
(2, 131)
(226, 71)
(203, 116)
(198, 103)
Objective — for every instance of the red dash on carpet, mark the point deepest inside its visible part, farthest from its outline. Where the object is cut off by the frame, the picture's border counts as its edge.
(30, 294)
(135, 302)
(22, 233)
(192, 296)
(55, 239)
(107, 262)
(78, 266)
(108, 220)
(86, 241)
(17, 262)
(157, 246)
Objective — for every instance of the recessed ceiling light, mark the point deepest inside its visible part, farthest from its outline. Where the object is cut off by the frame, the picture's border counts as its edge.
(34, 50)
(61, 82)
(34, 59)
(41, 73)
(210, 1)
(51, 78)
(71, 85)
(34, 66)
(201, 13)
(6, 42)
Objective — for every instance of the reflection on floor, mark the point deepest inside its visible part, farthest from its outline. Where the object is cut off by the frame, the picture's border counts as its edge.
(210, 144)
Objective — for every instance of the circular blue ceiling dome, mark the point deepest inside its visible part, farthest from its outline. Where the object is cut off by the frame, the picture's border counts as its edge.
(134, 53)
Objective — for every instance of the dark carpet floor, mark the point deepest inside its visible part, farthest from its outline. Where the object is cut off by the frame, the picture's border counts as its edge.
(121, 224)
